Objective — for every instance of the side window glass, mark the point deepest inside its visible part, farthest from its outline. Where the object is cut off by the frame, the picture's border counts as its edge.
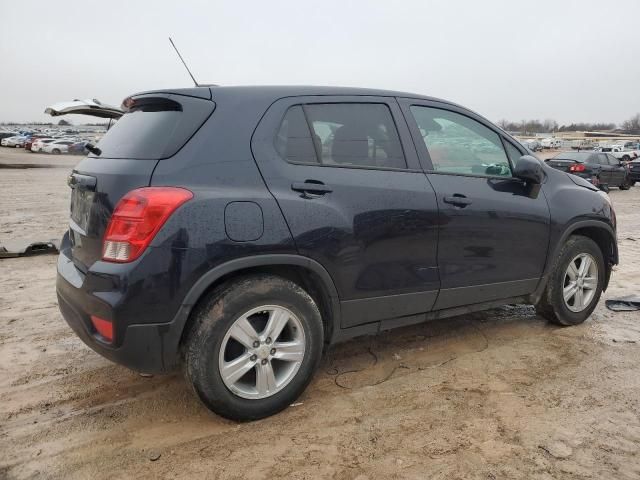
(512, 152)
(358, 134)
(293, 141)
(458, 144)
(613, 160)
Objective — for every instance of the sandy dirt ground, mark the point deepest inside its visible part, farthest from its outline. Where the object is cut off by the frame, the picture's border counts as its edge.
(493, 395)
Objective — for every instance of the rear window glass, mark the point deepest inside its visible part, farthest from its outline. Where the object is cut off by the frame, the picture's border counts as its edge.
(340, 134)
(577, 156)
(155, 127)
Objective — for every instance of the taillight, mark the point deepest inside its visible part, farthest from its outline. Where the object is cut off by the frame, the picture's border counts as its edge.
(137, 218)
(103, 327)
(577, 167)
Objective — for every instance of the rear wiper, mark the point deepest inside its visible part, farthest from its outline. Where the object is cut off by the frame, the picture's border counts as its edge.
(93, 149)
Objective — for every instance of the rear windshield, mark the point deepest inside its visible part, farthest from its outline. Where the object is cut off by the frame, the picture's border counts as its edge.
(155, 127)
(576, 156)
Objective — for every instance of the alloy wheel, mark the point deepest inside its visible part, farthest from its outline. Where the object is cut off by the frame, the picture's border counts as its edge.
(261, 352)
(580, 282)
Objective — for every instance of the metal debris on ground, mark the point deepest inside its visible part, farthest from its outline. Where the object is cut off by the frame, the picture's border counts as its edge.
(630, 303)
(26, 249)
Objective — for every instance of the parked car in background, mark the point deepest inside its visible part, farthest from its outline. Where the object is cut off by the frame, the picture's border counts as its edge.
(4, 135)
(601, 169)
(38, 143)
(238, 231)
(625, 152)
(532, 144)
(32, 138)
(551, 143)
(582, 145)
(56, 147)
(78, 148)
(634, 171)
(16, 141)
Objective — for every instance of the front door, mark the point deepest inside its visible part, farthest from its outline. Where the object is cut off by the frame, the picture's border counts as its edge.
(494, 229)
(618, 171)
(346, 176)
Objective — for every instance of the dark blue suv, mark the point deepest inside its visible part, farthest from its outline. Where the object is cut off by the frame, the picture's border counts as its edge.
(237, 231)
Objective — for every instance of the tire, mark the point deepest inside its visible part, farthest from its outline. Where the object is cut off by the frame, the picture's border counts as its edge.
(604, 187)
(553, 305)
(211, 343)
(55, 151)
(626, 158)
(626, 185)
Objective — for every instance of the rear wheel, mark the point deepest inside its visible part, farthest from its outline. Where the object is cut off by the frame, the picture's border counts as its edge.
(575, 284)
(626, 184)
(253, 347)
(55, 151)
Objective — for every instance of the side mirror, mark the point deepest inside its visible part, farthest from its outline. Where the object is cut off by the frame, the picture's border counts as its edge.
(529, 169)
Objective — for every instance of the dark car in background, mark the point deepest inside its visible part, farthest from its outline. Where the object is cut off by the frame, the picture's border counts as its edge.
(238, 231)
(634, 171)
(601, 169)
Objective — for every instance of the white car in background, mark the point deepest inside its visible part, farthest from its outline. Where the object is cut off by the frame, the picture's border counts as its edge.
(39, 143)
(18, 141)
(57, 146)
(551, 143)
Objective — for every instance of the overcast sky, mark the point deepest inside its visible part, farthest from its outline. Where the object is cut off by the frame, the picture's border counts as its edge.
(565, 60)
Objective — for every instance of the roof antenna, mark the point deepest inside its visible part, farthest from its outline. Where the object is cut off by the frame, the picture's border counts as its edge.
(184, 63)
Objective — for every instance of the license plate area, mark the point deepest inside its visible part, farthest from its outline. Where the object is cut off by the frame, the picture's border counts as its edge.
(81, 203)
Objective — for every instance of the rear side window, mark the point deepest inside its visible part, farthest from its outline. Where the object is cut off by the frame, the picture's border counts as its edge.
(293, 140)
(155, 127)
(341, 134)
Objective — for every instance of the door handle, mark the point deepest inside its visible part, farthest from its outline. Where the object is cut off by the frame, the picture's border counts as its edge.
(458, 200)
(317, 188)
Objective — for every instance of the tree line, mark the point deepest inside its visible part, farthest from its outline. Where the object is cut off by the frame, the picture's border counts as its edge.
(527, 127)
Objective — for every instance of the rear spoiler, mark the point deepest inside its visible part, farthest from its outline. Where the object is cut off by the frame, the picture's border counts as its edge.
(91, 107)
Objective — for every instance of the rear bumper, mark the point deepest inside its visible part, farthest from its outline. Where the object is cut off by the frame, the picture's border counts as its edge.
(148, 347)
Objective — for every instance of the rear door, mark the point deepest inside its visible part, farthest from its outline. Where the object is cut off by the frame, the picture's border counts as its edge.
(493, 228)
(346, 176)
(155, 126)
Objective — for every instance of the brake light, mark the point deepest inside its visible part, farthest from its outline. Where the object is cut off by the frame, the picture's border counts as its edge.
(577, 167)
(137, 218)
(103, 327)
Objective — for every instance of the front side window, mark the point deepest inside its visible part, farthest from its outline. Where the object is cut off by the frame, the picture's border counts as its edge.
(513, 153)
(459, 144)
(341, 134)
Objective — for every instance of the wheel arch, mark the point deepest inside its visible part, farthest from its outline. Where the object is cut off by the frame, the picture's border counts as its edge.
(304, 271)
(600, 232)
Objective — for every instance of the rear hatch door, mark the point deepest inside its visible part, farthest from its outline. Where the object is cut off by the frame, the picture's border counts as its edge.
(92, 107)
(153, 127)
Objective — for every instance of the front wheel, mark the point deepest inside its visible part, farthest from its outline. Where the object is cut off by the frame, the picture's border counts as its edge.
(575, 284)
(254, 346)
(55, 151)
